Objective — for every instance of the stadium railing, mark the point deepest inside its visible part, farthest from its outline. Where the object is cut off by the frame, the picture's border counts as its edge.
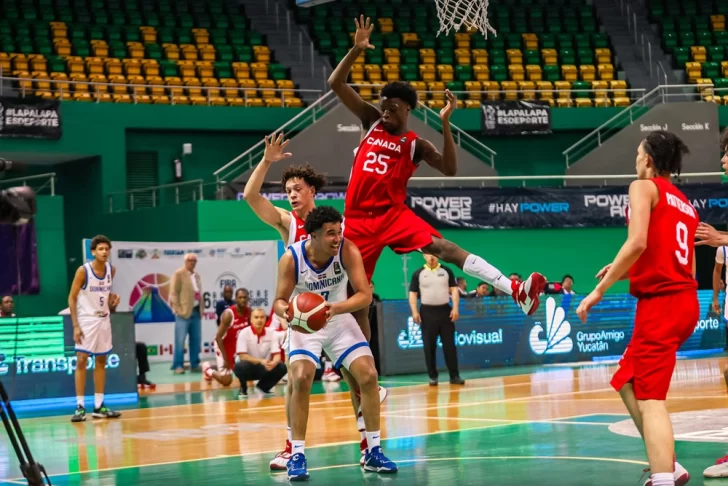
(39, 183)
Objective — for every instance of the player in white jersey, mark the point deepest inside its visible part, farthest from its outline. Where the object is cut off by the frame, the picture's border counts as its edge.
(91, 303)
(325, 264)
(301, 184)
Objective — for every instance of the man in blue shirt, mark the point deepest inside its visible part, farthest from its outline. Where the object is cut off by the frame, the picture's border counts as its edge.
(225, 302)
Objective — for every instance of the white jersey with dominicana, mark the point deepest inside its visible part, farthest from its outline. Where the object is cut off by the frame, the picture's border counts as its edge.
(330, 281)
(93, 299)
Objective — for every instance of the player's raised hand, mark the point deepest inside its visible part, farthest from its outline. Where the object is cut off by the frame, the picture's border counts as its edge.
(275, 147)
(452, 103)
(364, 30)
(589, 301)
(707, 235)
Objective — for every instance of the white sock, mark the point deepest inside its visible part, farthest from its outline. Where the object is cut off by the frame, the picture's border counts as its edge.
(98, 400)
(372, 440)
(360, 424)
(298, 446)
(663, 479)
(477, 267)
(79, 401)
(290, 435)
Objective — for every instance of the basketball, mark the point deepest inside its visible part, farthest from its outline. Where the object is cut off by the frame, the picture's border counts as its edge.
(307, 313)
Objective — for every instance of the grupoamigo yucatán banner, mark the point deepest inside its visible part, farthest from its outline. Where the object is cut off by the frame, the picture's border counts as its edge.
(548, 207)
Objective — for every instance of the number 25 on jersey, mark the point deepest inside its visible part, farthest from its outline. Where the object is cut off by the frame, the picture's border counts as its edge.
(377, 163)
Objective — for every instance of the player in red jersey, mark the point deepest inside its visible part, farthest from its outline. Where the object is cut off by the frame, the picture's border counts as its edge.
(376, 214)
(658, 258)
(233, 320)
(301, 185)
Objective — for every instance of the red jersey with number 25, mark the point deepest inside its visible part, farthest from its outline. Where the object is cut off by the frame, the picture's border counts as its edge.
(666, 266)
(383, 165)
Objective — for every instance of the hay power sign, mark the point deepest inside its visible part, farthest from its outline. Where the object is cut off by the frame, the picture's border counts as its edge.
(516, 117)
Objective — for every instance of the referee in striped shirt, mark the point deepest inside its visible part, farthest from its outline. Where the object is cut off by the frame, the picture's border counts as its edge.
(435, 285)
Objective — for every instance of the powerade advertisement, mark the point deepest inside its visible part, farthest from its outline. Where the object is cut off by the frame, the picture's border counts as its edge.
(38, 361)
(493, 331)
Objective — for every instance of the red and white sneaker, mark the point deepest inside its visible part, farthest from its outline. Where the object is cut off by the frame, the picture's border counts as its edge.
(680, 475)
(330, 375)
(718, 470)
(279, 462)
(207, 371)
(526, 293)
(363, 447)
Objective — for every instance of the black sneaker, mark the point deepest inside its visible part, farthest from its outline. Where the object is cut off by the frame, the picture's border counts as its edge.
(456, 380)
(103, 412)
(243, 393)
(79, 415)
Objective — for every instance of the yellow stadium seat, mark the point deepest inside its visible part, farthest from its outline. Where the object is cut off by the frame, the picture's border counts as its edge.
(563, 89)
(481, 72)
(510, 90)
(362, 57)
(20, 62)
(437, 90)
(122, 98)
(725, 100)
(45, 94)
(606, 72)
(217, 101)
(480, 56)
(534, 72)
(530, 41)
(294, 102)
(156, 86)
(42, 81)
(410, 39)
(234, 101)
(569, 72)
(421, 88)
(436, 104)
(180, 99)
(693, 71)
(462, 40)
(63, 95)
(213, 87)
(119, 84)
(493, 90)
(619, 88)
(241, 70)
(103, 97)
(94, 65)
(59, 29)
(583, 103)
(516, 72)
(230, 88)
(136, 50)
(549, 56)
(249, 87)
(260, 70)
(515, 56)
(267, 88)
(427, 56)
(427, 72)
(255, 102)
(602, 102)
(474, 89)
(171, 51)
(26, 84)
(386, 26)
(713, 99)
(374, 72)
(160, 99)
(366, 93)
(198, 100)
(132, 67)
(78, 96)
(528, 90)
(38, 63)
(75, 65)
(462, 57)
(114, 66)
(5, 61)
(445, 72)
(603, 55)
(174, 86)
(62, 46)
(149, 34)
(545, 90)
(600, 89)
(473, 104)
(357, 74)
(189, 52)
(150, 67)
(391, 72)
(79, 81)
(261, 54)
(194, 87)
(698, 53)
(587, 72)
(392, 55)
(100, 48)
(205, 69)
(201, 36)
(564, 102)
(718, 22)
(621, 102)
(208, 53)
(138, 84)
(273, 102)
(61, 82)
(142, 99)
(187, 69)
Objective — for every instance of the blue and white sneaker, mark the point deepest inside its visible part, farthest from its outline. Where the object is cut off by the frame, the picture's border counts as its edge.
(376, 461)
(296, 466)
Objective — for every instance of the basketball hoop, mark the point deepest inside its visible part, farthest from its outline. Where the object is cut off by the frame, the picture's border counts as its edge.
(454, 14)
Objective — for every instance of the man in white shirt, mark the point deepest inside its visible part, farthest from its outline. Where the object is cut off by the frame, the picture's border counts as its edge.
(259, 355)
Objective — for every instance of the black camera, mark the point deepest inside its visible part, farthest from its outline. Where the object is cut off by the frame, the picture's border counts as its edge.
(17, 204)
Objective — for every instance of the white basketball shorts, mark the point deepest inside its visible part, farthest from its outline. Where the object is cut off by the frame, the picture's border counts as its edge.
(342, 340)
(96, 339)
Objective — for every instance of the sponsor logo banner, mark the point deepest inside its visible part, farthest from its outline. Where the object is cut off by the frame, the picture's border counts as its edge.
(505, 207)
(492, 331)
(30, 117)
(143, 281)
(516, 117)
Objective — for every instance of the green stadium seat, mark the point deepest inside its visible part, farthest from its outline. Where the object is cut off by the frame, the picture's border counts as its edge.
(682, 55)
(409, 72)
(551, 73)
(716, 53)
(463, 73)
(711, 70)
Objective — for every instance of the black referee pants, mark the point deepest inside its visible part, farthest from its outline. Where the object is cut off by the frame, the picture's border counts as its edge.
(436, 322)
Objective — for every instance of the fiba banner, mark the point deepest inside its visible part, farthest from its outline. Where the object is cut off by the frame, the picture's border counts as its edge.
(144, 271)
(557, 207)
(30, 117)
(493, 331)
(516, 117)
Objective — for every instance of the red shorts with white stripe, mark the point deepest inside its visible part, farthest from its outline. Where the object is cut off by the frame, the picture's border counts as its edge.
(662, 324)
(398, 228)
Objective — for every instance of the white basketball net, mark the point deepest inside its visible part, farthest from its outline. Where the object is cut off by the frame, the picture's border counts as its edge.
(454, 14)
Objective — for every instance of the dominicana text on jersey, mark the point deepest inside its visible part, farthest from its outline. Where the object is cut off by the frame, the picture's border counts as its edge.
(330, 282)
(93, 299)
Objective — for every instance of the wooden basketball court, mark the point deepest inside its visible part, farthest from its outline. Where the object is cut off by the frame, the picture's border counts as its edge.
(557, 425)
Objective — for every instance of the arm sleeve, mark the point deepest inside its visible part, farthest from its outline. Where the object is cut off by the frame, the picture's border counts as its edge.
(415, 282)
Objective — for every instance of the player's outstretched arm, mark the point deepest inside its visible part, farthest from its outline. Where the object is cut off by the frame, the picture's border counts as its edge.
(366, 112)
(262, 207)
(78, 281)
(707, 235)
(286, 284)
(351, 258)
(447, 161)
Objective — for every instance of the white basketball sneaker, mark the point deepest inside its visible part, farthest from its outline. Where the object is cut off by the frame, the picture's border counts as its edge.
(718, 470)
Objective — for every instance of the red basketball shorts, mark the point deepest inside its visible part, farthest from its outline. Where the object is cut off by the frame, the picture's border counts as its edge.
(398, 228)
(662, 324)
